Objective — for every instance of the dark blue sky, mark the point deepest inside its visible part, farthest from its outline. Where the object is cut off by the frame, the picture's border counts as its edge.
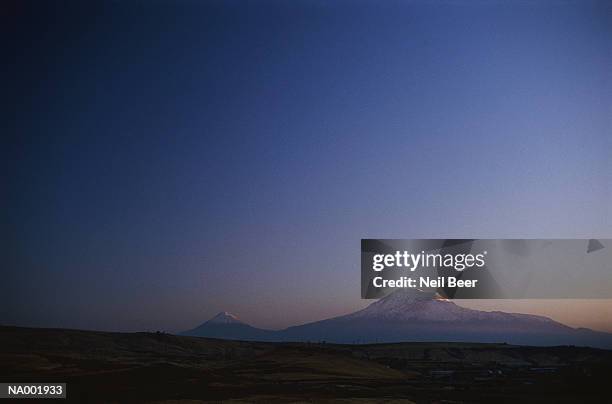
(168, 160)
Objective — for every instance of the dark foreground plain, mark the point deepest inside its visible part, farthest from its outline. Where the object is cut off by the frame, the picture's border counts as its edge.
(157, 367)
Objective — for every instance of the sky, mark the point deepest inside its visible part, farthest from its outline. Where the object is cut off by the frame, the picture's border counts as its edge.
(169, 160)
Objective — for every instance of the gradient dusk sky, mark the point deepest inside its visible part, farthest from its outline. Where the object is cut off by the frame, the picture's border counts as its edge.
(167, 160)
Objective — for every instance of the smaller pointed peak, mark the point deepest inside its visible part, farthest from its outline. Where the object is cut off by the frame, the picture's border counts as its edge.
(225, 317)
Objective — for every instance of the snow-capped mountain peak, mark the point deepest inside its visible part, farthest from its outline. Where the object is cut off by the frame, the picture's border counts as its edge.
(415, 305)
(403, 305)
(224, 317)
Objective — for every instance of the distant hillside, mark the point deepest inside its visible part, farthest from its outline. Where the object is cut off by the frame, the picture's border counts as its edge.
(148, 367)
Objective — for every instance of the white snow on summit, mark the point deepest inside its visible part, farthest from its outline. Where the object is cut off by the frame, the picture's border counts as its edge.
(427, 306)
(224, 318)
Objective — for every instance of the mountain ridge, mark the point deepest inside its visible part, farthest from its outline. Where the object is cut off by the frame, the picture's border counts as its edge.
(420, 316)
